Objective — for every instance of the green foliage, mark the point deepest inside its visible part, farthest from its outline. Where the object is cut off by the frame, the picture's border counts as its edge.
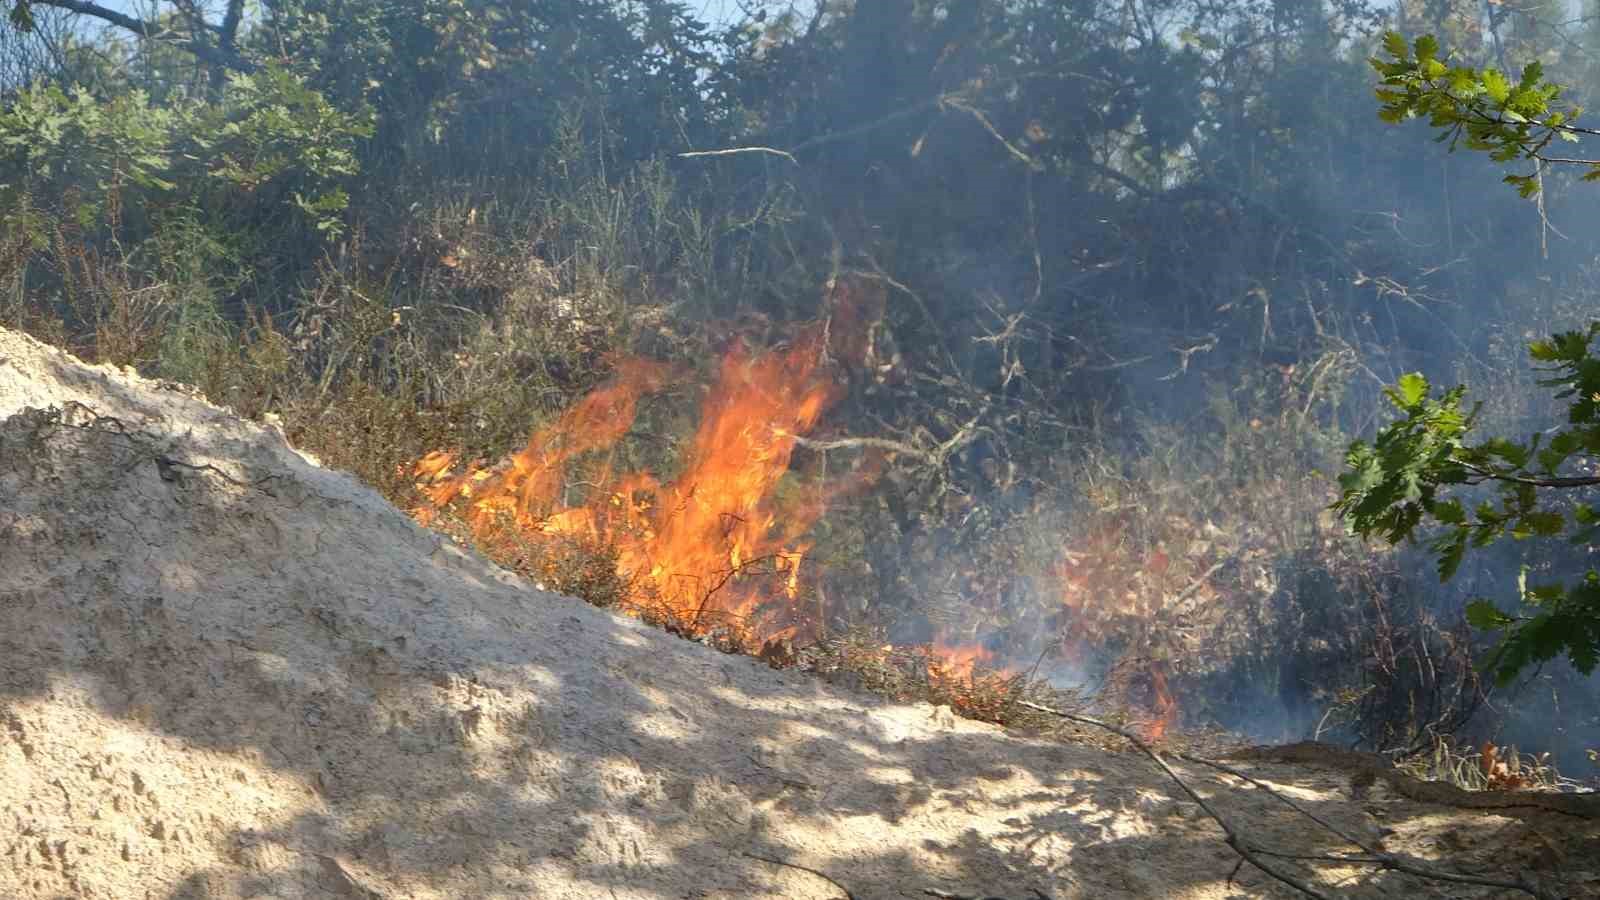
(482, 82)
(275, 130)
(270, 130)
(73, 144)
(1480, 109)
(1394, 486)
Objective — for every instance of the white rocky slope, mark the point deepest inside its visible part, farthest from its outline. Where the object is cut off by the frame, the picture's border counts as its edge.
(227, 672)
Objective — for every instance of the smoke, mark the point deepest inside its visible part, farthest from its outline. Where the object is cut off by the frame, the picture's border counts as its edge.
(1076, 311)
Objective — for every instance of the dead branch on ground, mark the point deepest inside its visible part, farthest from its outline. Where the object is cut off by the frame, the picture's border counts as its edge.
(807, 869)
(1253, 854)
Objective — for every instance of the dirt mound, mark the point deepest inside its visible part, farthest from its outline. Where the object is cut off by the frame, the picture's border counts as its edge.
(227, 672)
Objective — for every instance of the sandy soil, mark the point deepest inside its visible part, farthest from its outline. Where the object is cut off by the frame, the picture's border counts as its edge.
(228, 672)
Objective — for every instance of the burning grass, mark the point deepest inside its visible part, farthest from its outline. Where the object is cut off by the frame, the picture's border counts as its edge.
(719, 553)
(1488, 767)
(720, 546)
(1141, 583)
(958, 677)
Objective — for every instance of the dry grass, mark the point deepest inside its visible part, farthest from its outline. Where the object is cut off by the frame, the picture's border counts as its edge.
(1487, 768)
(451, 331)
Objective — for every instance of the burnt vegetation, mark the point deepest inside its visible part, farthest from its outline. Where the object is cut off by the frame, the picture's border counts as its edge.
(1035, 332)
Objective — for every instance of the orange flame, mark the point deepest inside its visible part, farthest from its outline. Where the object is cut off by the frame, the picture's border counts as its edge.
(722, 514)
(959, 661)
(693, 545)
(693, 540)
(1163, 706)
(528, 486)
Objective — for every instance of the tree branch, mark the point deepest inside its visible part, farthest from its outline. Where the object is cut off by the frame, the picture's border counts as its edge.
(1576, 481)
(1373, 856)
(1251, 853)
(1233, 839)
(823, 875)
(152, 31)
(230, 25)
(94, 10)
(735, 150)
(875, 443)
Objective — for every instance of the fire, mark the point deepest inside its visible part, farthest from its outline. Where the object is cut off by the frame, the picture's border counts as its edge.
(959, 661)
(698, 540)
(723, 545)
(723, 514)
(529, 486)
(1115, 592)
(1163, 706)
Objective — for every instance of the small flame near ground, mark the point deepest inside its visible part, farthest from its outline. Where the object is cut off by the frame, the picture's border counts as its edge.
(1163, 705)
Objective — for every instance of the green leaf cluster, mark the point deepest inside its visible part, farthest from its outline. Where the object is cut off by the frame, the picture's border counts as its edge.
(1397, 484)
(85, 154)
(275, 129)
(1480, 109)
(85, 146)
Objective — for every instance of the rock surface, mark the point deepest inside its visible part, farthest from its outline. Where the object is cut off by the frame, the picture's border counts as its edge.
(228, 672)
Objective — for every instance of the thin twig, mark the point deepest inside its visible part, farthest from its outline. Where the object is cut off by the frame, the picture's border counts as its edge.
(1233, 838)
(1572, 482)
(731, 151)
(858, 443)
(948, 895)
(1249, 853)
(1196, 584)
(964, 435)
(1374, 855)
(165, 464)
(823, 875)
(994, 132)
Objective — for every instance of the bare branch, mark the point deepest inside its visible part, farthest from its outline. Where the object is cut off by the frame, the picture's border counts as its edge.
(859, 443)
(1373, 856)
(964, 435)
(1246, 851)
(153, 31)
(789, 865)
(1252, 854)
(734, 150)
(994, 132)
(1572, 482)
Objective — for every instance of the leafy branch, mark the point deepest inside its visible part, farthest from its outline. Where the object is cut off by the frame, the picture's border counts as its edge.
(1395, 485)
(1481, 109)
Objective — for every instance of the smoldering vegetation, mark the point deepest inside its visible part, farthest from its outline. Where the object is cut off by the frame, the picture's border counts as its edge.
(1031, 332)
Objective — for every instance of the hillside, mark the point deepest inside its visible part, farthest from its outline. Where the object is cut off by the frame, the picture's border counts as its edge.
(226, 671)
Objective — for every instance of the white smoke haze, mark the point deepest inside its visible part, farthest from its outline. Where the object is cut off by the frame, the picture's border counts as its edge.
(1094, 297)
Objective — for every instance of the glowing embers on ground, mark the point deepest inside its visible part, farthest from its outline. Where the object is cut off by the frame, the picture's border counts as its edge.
(713, 546)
